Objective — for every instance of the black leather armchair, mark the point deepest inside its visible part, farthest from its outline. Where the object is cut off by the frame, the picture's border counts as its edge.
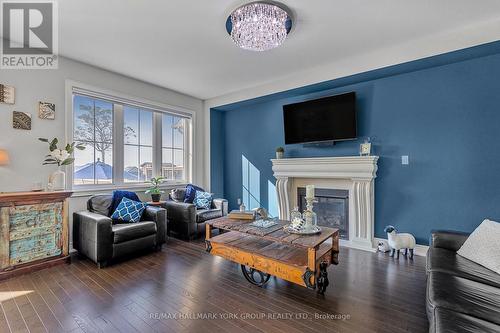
(462, 296)
(187, 222)
(97, 237)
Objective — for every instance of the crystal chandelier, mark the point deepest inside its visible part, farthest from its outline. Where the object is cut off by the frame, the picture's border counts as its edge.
(259, 26)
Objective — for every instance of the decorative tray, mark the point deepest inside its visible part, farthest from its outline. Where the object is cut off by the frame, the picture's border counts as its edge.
(261, 223)
(301, 231)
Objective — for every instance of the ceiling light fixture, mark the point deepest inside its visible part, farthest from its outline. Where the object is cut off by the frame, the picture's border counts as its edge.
(259, 26)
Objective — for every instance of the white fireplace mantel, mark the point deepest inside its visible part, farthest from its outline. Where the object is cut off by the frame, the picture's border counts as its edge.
(355, 174)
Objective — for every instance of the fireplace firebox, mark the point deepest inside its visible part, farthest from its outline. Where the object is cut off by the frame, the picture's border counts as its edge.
(332, 208)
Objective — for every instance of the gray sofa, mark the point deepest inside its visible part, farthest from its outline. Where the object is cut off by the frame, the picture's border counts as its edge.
(462, 296)
(98, 238)
(187, 222)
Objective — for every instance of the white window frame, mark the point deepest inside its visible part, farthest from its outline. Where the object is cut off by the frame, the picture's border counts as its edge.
(74, 87)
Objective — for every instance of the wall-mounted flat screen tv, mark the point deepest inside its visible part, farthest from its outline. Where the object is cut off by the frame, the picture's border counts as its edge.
(326, 119)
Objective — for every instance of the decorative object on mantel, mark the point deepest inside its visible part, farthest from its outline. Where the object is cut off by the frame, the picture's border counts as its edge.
(46, 110)
(280, 152)
(4, 157)
(365, 148)
(59, 157)
(397, 242)
(241, 205)
(7, 94)
(21, 120)
(154, 190)
(34, 231)
(308, 224)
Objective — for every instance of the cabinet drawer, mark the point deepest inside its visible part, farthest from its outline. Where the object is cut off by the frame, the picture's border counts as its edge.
(34, 216)
(34, 248)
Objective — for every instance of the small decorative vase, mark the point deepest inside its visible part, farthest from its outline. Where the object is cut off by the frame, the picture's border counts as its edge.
(279, 155)
(57, 180)
(156, 197)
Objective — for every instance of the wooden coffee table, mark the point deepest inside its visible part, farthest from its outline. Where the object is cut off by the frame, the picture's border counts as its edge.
(263, 252)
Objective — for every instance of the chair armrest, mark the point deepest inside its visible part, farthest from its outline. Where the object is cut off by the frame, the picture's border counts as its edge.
(159, 216)
(93, 235)
(181, 218)
(221, 204)
(450, 240)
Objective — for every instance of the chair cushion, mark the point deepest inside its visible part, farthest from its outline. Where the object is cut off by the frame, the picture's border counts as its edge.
(129, 211)
(482, 246)
(446, 321)
(449, 262)
(123, 232)
(191, 192)
(178, 194)
(465, 296)
(100, 204)
(119, 195)
(203, 215)
(203, 200)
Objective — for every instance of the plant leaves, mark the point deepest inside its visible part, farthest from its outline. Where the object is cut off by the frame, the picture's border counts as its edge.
(43, 139)
(53, 144)
(68, 161)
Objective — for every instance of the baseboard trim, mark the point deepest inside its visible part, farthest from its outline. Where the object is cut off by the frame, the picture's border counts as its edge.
(420, 250)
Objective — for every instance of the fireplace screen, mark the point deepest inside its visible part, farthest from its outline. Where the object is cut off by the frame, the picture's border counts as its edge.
(332, 208)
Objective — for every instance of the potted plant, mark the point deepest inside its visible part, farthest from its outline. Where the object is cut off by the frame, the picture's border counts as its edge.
(280, 151)
(59, 157)
(154, 190)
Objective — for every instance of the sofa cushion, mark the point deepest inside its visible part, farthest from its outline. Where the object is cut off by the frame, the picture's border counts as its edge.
(191, 192)
(482, 246)
(129, 211)
(203, 215)
(123, 232)
(119, 195)
(446, 321)
(464, 296)
(100, 204)
(203, 200)
(178, 194)
(447, 261)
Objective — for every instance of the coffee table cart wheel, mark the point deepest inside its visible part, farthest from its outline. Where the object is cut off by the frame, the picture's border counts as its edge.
(255, 276)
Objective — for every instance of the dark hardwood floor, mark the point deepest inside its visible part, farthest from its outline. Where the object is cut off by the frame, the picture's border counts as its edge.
(174, 290)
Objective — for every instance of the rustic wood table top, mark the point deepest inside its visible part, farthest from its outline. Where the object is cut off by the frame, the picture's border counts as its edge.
(274, 233)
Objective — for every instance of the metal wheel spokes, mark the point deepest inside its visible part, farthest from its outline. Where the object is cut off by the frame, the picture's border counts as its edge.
(254, 276)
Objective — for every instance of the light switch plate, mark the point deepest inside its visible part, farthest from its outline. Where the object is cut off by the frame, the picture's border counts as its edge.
(405, 160)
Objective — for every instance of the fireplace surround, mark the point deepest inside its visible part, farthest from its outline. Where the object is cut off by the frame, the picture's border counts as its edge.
(355, 174)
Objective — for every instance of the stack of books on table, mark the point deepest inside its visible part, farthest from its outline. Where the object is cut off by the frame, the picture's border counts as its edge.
(239, 215)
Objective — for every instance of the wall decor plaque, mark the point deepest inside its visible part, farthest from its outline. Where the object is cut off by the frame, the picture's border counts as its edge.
(21, 120)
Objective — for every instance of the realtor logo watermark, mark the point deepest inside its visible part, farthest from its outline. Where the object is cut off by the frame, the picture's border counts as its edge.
(29, 34)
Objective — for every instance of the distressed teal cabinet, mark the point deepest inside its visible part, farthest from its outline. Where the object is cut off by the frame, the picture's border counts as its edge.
(33, 230)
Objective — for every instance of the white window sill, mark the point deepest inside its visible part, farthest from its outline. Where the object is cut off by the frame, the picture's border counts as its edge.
(85, 191)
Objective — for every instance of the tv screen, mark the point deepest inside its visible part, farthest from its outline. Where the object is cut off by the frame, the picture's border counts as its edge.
(326, 119)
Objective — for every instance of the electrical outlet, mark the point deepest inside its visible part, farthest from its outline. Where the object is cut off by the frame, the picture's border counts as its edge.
(405, 160)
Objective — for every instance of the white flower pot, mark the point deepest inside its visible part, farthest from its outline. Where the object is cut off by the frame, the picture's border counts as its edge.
(57, 181)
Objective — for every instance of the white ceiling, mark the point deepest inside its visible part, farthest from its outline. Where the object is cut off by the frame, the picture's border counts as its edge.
(183, 45)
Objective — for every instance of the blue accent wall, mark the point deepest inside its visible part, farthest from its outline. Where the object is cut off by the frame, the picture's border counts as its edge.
(443, 111)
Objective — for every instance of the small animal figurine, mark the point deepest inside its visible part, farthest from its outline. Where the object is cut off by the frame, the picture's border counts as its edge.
(397, 242)
(383, 246)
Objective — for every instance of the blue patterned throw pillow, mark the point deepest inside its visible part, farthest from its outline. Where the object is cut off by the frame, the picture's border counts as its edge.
(203, 200)
(129, 211)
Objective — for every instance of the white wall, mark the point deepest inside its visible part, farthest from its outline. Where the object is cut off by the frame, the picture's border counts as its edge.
(27, 153)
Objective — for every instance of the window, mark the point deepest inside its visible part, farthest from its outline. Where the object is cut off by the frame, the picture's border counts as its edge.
(127, 142)
(93, 126)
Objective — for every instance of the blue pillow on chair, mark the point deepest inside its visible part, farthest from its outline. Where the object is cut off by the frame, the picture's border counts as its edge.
(203, 200)
(191, 192)
(129, 211)
(119, 195)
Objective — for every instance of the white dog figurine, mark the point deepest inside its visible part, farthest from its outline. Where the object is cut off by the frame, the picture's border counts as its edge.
(397, 242)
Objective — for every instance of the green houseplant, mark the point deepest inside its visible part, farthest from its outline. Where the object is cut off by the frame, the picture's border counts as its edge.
(155, 190)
